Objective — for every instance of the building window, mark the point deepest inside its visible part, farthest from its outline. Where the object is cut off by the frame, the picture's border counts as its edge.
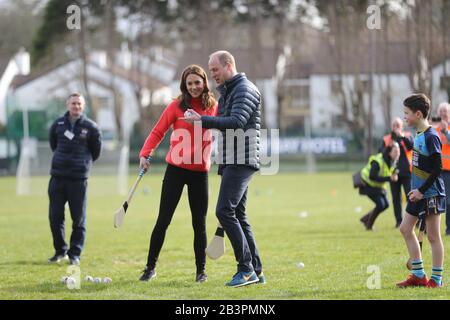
(298, 96)
(103, 103)
(337, 121)
(361, 85)
(335, 87)
(445, 82)
(295, 104)
(358, 84)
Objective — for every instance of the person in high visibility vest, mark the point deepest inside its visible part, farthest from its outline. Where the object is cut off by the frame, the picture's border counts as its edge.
(443, 131)
(380, 169)
(406, 143)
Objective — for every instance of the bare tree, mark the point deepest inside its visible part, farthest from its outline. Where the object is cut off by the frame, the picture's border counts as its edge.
(346, 22)
(83, 55)
(110, 25)
(445, 6)
(384, 78)
(419, 45)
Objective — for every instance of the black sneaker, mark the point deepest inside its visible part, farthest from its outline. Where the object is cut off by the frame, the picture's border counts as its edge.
(75, 261)
(148, 274)
(201, 277)
(57, 258)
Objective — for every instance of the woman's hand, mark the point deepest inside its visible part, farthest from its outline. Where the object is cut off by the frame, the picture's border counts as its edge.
(144, 163)
(191, 116)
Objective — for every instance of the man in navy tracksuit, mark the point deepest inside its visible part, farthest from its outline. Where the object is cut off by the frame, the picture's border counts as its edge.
(76, 142)
(239, 114)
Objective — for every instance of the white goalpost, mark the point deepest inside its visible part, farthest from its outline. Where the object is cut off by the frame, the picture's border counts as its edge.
(23, 181)
(23, 174)
(122, 172)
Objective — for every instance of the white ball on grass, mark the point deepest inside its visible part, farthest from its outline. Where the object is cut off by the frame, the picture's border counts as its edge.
(300, 265)
(107, 280)
(89, 279)
(303, 214)
(70, 280)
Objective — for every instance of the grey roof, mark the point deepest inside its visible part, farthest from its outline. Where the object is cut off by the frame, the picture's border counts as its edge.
(316, 56)
(265, 68)
(131, 75)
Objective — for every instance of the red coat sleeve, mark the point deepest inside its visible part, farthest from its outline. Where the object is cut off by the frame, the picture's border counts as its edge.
(158, 132)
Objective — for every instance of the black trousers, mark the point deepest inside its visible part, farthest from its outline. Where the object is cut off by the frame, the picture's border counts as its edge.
(446, 177)
(60, 191)
(396, 191)
(175, 179)
(380, 200)
(378, 196)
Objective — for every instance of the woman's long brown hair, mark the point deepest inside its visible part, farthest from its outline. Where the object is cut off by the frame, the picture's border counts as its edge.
(208, 100)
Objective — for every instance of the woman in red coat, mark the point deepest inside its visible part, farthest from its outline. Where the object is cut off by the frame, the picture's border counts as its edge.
(188, 162)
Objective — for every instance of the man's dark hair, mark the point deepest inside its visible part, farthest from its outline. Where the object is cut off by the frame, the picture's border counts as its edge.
(418, 102)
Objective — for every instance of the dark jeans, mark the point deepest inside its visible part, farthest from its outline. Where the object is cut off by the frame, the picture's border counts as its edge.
(396, 191)
(446, 177)
(60, 191)
(232, 216)
(380, 200)
(174, 180)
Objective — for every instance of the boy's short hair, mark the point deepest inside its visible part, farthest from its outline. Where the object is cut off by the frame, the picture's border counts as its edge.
(418, 102)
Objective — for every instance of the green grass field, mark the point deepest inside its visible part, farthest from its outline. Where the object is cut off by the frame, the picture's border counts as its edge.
(330, 241)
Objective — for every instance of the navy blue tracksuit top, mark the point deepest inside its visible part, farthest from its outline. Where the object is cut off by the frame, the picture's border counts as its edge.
(74, 148)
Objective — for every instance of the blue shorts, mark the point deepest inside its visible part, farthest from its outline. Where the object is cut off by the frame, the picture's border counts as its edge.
(428, 206)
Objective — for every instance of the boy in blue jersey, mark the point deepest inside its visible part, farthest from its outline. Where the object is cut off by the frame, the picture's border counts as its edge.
(427, 195)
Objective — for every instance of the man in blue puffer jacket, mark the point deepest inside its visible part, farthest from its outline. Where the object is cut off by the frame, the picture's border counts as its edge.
(76, 142)
(239, 122)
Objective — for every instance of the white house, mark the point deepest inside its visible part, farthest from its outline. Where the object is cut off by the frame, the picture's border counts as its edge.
(17, 65)
(37, 91)
(10, 68)
(112, 90)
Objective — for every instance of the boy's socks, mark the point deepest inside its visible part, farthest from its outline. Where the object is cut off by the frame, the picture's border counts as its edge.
(417, 268)
(437, 274)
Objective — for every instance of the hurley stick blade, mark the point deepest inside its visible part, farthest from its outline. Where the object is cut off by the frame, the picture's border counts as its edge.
(216, 248)
(119, 216)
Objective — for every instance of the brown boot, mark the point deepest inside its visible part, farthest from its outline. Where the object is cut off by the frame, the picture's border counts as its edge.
(365, 219)
(373, 216)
